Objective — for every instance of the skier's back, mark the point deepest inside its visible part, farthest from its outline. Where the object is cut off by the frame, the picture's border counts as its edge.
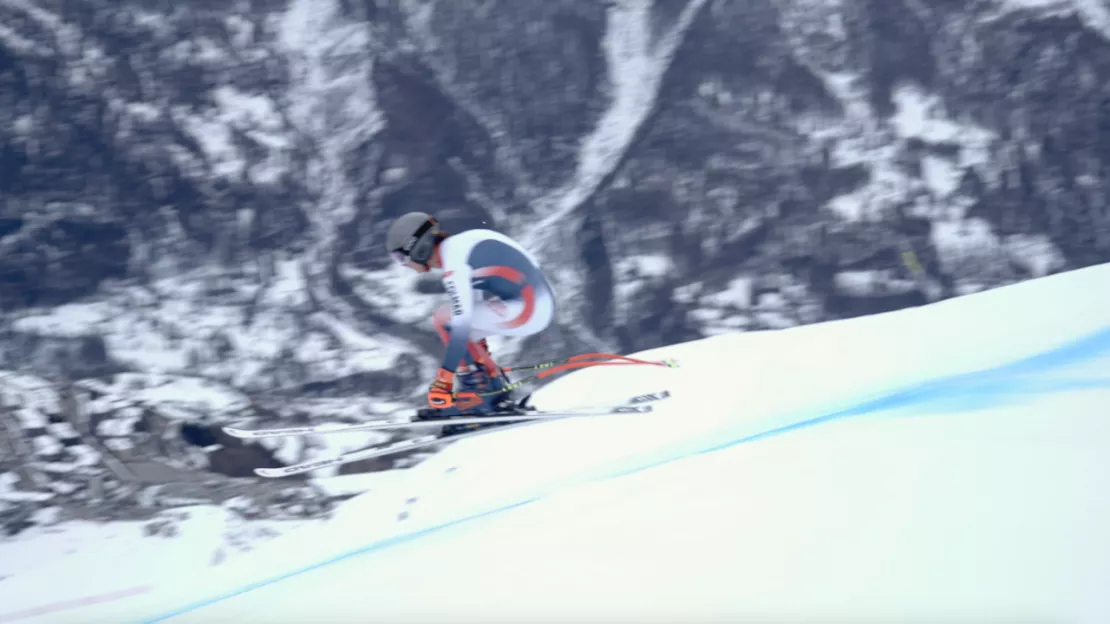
(496, 288)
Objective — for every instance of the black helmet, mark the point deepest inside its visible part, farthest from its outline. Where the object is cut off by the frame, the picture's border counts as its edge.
(412, 237)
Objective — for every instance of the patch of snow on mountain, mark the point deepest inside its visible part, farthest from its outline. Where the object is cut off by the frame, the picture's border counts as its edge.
(392, 291)
(738, 294)
(194, 392)
(1034, 252)
(968, 247)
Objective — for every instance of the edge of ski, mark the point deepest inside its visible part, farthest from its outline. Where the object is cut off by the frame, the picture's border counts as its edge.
(633, 405)
(406, 422)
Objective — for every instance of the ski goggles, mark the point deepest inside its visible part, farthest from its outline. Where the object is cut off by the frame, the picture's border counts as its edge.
(399, 254)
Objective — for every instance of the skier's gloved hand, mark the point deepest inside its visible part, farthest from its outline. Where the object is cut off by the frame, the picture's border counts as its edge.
(440, 393)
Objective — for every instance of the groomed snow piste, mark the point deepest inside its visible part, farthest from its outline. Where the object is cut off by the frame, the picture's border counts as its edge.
(944, 463)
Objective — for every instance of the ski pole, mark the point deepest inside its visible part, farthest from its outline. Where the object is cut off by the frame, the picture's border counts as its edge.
(588, 359)
(547, 369)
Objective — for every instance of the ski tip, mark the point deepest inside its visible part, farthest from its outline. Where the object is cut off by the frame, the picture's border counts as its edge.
(236, 432)
(658, 395)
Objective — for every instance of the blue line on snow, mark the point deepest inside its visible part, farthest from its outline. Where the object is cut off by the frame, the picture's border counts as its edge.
(983, 388)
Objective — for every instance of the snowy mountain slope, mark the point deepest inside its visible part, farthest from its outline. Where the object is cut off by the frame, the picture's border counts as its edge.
(967, 458)
(871, 521)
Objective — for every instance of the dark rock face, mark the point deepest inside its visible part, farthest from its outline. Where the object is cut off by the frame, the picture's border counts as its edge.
(1053, 114)
(60, 261)
(57, 357)
(218, 176)
(233, 457)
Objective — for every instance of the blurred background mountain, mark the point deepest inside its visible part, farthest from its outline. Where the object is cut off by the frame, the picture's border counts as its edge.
(193, 198)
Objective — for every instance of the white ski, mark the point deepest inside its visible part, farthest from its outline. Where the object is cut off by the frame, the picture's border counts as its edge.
(401, 423)
(633, 405)
(406, 422)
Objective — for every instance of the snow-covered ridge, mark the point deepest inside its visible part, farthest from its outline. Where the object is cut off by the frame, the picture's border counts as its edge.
(989, 348)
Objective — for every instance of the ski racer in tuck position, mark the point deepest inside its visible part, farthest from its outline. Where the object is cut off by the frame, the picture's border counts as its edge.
(495, 288)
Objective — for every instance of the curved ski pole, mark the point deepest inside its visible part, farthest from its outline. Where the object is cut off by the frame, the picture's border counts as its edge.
(547, 369)
(534, 367)
(560, 362)
(580, 361)
(586, 359)
(562, 368)
(612, 356)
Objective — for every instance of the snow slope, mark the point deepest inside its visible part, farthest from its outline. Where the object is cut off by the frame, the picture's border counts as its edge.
(942, 463)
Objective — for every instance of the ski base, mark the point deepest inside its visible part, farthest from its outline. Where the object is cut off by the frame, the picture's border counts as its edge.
(401, 423)
(634, 405)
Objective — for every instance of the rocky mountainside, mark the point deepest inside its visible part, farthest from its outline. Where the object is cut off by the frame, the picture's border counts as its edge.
(194, 194)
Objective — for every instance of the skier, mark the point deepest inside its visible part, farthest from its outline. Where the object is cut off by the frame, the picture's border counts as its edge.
(496, 288)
